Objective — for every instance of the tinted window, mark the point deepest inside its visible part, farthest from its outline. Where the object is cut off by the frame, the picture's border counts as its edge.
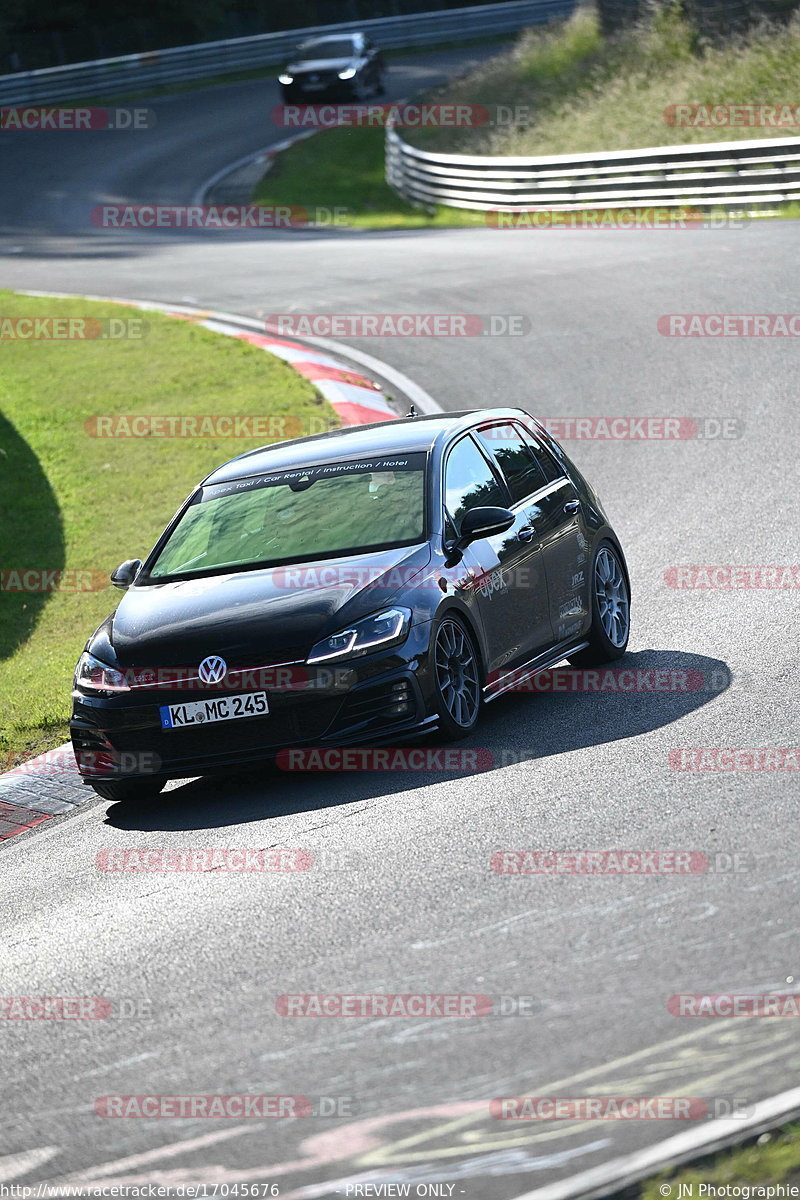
(469, 482)
(334, 508)
(517, 463)
(550, 468)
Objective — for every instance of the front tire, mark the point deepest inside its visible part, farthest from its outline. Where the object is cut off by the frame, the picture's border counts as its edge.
(456, 679)
(611, 610)
(128, 789)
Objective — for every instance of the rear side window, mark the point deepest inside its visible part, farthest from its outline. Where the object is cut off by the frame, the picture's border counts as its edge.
(469, 482)
(515, 458)
(547, 464)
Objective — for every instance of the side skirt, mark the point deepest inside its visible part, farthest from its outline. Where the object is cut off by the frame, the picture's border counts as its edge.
(511, 679)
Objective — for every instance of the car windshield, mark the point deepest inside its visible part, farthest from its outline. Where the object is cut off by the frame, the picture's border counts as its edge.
(294, 516)
(329, 48)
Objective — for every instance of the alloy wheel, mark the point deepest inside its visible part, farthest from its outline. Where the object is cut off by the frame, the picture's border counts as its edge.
(612, 597)
(457, 673)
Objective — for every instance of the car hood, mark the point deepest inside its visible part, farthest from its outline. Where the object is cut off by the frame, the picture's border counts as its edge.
(251, 618)
(322, 64)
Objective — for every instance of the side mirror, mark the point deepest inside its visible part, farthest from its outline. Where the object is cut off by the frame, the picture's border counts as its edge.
(126, 572)
(483, 522)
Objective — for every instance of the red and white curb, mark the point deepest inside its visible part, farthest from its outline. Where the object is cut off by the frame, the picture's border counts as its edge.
(49, 785)
(355, 399)
(37, 790)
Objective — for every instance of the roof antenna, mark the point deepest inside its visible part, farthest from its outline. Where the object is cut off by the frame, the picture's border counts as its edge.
(412, 412)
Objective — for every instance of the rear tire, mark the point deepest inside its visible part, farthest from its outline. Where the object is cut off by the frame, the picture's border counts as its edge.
(611, 610)
(128, 789)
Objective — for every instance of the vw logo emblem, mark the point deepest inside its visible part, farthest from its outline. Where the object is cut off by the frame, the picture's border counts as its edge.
(212, 669)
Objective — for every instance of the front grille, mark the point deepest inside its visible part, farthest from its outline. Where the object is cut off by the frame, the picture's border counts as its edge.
(269, 671)
(315, 77)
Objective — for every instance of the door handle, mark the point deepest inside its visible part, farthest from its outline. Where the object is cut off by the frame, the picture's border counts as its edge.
(525, 534)
(572, 506)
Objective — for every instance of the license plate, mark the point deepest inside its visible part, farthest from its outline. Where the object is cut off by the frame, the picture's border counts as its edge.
(314, 87)
(204, 712)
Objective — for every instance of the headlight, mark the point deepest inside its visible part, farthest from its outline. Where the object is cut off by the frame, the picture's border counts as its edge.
(285, 78)
(348, 73)
(91, 675)
(387, 628)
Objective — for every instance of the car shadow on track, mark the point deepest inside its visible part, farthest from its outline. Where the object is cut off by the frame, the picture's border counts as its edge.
(516, 728)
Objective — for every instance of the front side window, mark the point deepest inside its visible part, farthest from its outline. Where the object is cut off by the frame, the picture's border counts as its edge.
(517, 464)
(298, 515)
(469, 482)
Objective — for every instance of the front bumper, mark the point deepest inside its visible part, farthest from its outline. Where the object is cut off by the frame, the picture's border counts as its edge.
(380, 697)
(330, 89)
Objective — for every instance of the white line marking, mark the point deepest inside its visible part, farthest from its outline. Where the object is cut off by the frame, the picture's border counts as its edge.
(12, 1165)
(123, 1062)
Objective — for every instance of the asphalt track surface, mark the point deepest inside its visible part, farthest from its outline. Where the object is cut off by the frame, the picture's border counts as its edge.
(403, 899)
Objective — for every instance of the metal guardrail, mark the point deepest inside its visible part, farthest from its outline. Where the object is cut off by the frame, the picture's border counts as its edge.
(715, 173)
(134, 73)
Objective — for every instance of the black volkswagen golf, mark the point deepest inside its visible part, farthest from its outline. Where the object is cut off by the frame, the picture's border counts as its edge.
(346, 66)
(365, 585)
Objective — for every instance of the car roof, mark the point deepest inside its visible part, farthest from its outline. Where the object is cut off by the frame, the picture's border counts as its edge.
(403, 435)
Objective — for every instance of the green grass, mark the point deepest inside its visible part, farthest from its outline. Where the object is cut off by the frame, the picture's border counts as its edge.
(773, 1158)
(581, 93)
(345, 168)
(585, 93)
(75, 501)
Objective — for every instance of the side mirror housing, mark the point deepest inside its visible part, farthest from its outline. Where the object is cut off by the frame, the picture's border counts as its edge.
(126, 572)
(483, 522)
